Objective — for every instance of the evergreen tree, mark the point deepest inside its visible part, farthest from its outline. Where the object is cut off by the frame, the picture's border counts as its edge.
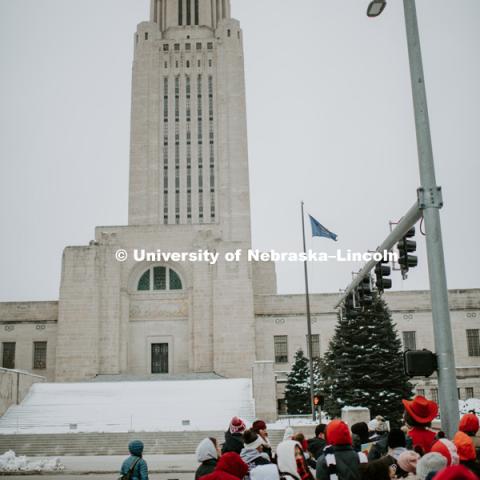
(297, 390)
(364, 364)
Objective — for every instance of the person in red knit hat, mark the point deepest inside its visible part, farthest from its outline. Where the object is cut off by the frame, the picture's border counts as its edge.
(234, 436)
(470, 425)
(339, 460)
(229, 467)
(466, 452)
(418, 416)
(260, 427)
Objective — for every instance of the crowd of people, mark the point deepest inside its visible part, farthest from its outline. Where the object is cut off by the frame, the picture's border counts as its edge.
(370, 451)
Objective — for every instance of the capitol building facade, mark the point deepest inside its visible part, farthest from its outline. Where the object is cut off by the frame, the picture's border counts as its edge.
(124, 314)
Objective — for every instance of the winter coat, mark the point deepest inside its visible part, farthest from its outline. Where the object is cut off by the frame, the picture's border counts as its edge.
(347, 463)
(259, 465)
(265, 472)
(379, 448)
(229, 467)
(207, 455)
(422, 437)
(316, 446)
(473, 466)
(140, 472)
(253, 458)
(233, 442)
(286, 462)
(207, 467)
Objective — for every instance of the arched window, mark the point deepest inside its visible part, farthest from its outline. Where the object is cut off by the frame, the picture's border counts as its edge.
(159, 278)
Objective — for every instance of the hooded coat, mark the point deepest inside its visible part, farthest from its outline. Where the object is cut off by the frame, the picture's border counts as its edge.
(207, 455)
(229, 467)
(259, 464)
(286, 462)
(140, 472)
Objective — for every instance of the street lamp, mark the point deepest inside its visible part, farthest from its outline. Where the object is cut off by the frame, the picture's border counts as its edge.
(376, 7)
(430, 202)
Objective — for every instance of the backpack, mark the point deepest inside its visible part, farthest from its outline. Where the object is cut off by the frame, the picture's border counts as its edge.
(129, 474)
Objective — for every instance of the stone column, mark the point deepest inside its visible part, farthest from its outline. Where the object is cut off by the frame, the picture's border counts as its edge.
(264, 391)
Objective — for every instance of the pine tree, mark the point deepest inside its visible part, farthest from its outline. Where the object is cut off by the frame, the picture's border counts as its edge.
(297, 390)
(364, 364)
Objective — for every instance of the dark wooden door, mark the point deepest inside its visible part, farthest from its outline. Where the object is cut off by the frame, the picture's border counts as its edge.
(8, 360)
(159, 357)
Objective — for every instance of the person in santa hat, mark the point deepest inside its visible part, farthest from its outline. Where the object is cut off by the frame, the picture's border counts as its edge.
(234, 436)
(448, 449)
(418, 417)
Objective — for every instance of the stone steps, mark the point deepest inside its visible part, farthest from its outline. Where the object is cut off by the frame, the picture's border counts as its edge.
(81, 444)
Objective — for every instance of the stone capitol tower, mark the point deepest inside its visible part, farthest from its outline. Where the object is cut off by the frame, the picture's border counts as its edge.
(189, 141)
(189, 191)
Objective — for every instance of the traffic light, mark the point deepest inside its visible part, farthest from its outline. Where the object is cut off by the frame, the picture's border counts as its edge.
(406, 246)
(351, 306)
(419, 363)
(381, 273)
(365, 292)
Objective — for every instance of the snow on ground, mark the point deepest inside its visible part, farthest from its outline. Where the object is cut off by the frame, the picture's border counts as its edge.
(470, 404)
(130, 406)
(9, 462)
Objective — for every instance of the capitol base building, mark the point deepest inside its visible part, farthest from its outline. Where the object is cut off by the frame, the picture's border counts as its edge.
(189, 192)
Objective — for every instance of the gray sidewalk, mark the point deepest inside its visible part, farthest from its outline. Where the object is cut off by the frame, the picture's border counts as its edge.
(112, 464)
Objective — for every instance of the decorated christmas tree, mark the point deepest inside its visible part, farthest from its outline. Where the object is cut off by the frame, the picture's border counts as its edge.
(364, 364)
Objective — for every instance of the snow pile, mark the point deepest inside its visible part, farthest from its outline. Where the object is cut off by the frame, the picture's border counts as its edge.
(148, 406)
(9, 462)
(470, 404)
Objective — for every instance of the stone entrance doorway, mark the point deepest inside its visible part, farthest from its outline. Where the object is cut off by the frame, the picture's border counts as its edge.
(159, 357)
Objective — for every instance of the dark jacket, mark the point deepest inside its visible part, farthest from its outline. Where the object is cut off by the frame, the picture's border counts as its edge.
(268, 451)
(379, 448)
(140, 472)
(473, 466)
(347, 463)
(208, 466)
(233, 442)
(316, 446)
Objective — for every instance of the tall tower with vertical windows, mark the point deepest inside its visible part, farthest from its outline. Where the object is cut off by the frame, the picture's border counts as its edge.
(189, 191)
(188, 140)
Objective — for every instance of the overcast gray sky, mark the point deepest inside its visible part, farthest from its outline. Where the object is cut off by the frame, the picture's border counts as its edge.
(330, 121)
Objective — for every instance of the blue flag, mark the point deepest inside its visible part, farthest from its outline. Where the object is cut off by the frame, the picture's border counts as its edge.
(318, 230)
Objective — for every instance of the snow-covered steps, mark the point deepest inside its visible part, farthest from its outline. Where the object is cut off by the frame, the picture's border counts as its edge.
(148, 406)
(162, 443)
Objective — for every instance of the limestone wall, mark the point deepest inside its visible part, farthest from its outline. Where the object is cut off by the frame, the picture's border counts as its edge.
(411, 312)
(24, 323)
(14, 386)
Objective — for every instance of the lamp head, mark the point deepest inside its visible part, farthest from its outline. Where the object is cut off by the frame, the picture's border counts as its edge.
(376, 7)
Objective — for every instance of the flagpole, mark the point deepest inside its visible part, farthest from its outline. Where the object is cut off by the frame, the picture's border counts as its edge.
(309, 319)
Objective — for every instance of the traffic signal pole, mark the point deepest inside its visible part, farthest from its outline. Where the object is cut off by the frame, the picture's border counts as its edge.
(430, 201)
(407, 222)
